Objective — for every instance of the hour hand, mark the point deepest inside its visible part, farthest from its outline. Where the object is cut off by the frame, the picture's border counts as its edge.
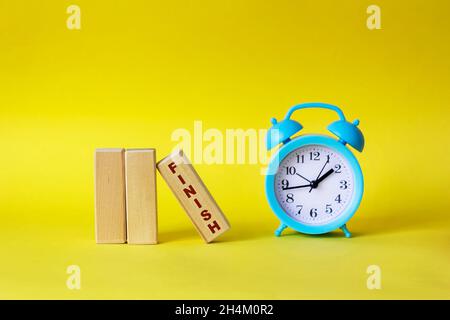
(297, 187)
(326, 174)
(315, 184)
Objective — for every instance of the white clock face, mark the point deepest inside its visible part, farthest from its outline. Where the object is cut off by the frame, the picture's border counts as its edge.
(314, 184)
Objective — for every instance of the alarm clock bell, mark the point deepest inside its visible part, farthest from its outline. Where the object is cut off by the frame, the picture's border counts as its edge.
(347, 132)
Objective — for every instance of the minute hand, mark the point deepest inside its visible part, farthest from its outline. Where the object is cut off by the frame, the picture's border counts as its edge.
(326, 174)
(297, 187)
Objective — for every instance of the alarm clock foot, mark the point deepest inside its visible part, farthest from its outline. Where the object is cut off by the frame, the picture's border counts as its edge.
(280, 229)
(346, 232)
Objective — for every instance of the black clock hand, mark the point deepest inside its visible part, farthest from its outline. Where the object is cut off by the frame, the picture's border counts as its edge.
(297, 187)
(321, 170)
(303, 177)
(324, 176)
(315, 183)
(325, 164)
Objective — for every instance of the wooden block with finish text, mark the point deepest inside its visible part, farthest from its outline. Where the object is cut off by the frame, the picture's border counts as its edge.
(110, 225)
(140, 173)
(194, 197)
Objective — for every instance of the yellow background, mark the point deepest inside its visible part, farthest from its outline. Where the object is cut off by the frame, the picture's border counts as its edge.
(138, 70)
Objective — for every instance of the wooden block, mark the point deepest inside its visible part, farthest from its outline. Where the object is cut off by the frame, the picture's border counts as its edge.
(194, 197)
(110, 226)
(140, 173)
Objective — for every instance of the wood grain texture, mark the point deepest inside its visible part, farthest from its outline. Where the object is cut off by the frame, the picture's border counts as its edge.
(194, 197)
(140, 175)
(110, 225)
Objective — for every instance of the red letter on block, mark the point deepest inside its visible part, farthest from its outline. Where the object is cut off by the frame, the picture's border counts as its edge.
(213, 226)
(172, 167)
(206, 215)
(189, 191)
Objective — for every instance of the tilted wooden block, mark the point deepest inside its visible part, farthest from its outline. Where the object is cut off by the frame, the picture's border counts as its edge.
(110, 226)
(140, 173)
(194, 197)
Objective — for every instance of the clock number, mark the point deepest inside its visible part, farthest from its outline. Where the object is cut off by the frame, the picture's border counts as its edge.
(291, 171)
(314, 156)
(337, 168)
(301, 157)
(284, 183)
(328, 209)
(289, 198)
(338, 199)
(300, 207)
(313, 213)
(343, 185)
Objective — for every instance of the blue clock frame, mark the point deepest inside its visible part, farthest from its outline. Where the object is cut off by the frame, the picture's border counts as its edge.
(347, 133)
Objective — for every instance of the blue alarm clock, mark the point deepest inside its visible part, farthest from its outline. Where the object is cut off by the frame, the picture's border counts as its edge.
(314, 183)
